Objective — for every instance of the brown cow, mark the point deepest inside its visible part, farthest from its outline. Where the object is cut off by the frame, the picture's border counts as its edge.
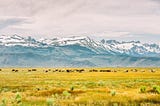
(153, 71)
(34, 69)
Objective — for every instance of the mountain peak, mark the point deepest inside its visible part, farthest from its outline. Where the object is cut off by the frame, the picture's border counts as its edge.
(112, 42)
(131, 42)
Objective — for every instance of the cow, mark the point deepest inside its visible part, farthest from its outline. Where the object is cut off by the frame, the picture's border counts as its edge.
(81, 70)
(105, 71)
(115, 71)
(126, 71)
(134, 70)
(13, 70)
(68, 71)
(153, 71)
(34, 69)
(142, 70)
(29, 70)
(93, 70)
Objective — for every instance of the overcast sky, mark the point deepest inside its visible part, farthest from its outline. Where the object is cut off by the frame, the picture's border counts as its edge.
(110, 19)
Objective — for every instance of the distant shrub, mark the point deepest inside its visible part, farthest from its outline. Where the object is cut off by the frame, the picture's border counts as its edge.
(84, 88)
(17, 100)
(115, 104)
(156, 89)
(56, 96)
(4, 89)
(66, 93)
(72, 88)
(90, 84)
(113, 93)
(129, 86)
(50, 102)
(143, 89)
(101, 83)
(4, 102)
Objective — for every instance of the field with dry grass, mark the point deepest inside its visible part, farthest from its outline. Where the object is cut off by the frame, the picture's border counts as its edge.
(72, 87)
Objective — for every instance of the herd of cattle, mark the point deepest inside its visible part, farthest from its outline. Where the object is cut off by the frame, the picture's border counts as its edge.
(83, 70)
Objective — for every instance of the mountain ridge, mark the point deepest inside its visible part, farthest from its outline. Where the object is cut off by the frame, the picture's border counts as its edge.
(76, 51)
(134, 48)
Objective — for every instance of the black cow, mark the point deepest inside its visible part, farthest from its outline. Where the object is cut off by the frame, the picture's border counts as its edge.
(105, 71)
(68, 71)
(13, 70)
(126, 71)
(93, 70)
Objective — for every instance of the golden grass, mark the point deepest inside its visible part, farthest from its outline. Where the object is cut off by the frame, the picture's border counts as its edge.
(90, 88)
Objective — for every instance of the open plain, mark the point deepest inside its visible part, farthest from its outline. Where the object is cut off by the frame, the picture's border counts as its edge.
(80, 86)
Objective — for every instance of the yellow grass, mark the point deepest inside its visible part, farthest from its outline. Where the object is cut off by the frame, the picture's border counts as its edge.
(90, 88)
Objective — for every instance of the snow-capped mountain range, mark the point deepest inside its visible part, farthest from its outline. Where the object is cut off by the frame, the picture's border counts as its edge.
(76, 51)
(135, 48)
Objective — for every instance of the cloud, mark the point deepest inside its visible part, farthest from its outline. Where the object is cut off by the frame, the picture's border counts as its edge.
(7, 22)
(112, 18)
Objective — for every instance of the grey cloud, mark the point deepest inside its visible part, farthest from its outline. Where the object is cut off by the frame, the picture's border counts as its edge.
(12, 21)
(65, 17)
(156, 1)
(34, 7)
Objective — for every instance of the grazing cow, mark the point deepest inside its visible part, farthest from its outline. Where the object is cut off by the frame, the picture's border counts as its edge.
(59, 70)
(46, 71)
(56, 70)
(134, 70)
(0, 69)
(29, 70)
(77, 70)
(63, 71)
(105, 71)
(81, 70)
(34, 69)
(68, 71)
(114, 71)
(90, 70)
(13, 70)
(93, 70)
(126, 71)
(142, 70)
(153, 71)
(16, 71)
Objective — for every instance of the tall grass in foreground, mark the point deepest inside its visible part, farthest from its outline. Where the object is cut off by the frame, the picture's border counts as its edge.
(79, 89)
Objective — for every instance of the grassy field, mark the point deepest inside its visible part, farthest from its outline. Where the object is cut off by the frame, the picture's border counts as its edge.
(47, 87)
